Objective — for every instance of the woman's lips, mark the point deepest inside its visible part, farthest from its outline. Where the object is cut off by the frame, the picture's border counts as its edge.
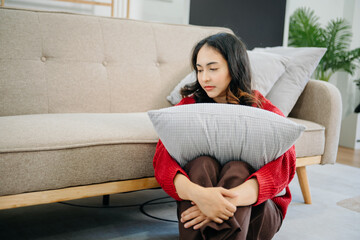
(209, 88)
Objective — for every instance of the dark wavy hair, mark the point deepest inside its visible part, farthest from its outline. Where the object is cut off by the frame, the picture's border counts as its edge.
(234, 52)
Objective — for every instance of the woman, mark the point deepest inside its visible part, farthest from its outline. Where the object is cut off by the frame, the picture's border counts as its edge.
(231, 201)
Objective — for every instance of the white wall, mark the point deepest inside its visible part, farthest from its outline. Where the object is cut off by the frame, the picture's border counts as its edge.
(331, 9)
(167, 11)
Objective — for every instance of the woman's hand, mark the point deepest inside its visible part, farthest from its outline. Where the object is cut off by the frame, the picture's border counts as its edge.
(193, 217)
(214, 204)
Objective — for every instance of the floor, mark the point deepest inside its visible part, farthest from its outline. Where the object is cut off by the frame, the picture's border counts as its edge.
(348, 156)
(327, 217)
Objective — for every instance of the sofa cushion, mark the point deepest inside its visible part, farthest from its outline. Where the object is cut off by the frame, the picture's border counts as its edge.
(61, 131)
(312, 141)
(64, 150)
(54, 169)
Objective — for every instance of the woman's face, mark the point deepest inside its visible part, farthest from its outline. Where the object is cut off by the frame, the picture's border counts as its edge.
(213, 73)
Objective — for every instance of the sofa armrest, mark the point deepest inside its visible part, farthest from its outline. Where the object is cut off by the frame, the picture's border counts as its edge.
(320, 102)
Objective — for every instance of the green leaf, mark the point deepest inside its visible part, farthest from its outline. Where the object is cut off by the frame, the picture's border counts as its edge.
(305, 31)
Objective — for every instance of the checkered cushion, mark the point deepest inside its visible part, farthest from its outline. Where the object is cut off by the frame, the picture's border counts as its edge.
(224, 131)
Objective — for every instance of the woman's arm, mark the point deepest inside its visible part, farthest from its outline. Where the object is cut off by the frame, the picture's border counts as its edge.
(275, 176)
(247, 193)
(213, 202)
(267, 181)
(165, 170)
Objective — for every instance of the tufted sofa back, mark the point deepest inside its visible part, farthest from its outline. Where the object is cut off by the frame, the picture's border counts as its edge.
(65, 63)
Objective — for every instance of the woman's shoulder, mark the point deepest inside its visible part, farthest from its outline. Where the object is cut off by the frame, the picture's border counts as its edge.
(266, 104)
(186, 100)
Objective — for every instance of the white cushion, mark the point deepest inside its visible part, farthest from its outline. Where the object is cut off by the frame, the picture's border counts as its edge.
(303, 61)
(224, 131)
(175, 97)
(266, 69)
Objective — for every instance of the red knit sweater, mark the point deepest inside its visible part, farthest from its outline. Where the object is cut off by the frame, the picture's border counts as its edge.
(272, 178)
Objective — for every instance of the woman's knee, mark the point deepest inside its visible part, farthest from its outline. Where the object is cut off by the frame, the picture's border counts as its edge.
(203, 170)
(240, 166)
(234, 173)
(202, 163)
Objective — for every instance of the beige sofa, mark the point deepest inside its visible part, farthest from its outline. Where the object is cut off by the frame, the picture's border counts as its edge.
(74, 91)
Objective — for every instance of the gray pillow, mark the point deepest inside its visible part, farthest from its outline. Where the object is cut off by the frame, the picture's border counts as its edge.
(302, 63)
(224, 131)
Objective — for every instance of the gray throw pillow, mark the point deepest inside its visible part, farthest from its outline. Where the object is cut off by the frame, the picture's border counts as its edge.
(302, 63)
(224, 131)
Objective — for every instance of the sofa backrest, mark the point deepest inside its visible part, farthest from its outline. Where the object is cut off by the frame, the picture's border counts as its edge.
(63, 63)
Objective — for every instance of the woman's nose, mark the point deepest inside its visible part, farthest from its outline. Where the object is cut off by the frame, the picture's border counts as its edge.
(205, 76)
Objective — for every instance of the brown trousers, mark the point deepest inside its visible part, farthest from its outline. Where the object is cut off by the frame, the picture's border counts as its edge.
(249, 222)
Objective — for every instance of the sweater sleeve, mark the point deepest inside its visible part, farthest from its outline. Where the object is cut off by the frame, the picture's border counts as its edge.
(276, 175)
(165, 167)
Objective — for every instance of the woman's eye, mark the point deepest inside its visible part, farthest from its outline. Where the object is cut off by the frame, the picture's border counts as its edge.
(199, 70)
(213, 69)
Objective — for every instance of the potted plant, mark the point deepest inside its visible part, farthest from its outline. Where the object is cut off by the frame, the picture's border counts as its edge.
(305, 31)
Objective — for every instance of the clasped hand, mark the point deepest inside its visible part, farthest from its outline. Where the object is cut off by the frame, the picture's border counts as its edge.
(210, 204)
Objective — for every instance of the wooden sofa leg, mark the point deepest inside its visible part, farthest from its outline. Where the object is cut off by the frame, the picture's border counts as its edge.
(304, 184)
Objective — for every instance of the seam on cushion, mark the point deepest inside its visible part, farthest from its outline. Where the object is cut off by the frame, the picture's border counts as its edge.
(42, 54)
(157, 54)
(62, 147)
(315, 130)
(155, 45)
(103, 58)
(315, 124)
(156, 49)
